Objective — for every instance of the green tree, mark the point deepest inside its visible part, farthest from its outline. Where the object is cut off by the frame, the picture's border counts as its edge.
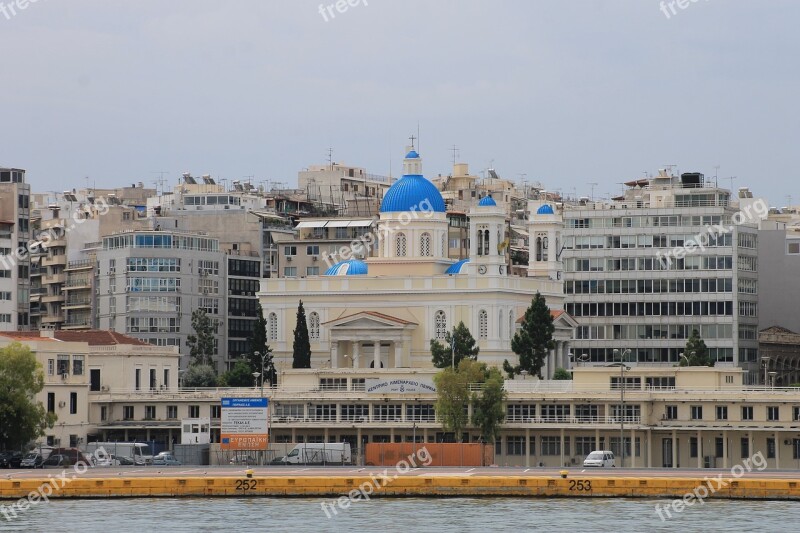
(241, 375)
(533, 340)
(696, 352)
(200, 376)
(258, 343)
(453, 395)
(562, 374)
(465, 348)
(488, 412)
(301, 348)
(201, 342)
(22, 418)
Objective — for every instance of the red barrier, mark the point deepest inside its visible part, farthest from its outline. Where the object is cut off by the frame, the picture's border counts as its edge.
(429, 454)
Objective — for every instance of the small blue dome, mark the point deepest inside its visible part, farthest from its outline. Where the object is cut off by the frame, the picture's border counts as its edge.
(456, 268)
(412, 155)
(545, 210)
(351, 267)
(487, 201)
(412, 192)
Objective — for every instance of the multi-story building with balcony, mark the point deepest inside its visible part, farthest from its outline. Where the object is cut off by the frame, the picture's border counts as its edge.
(15, 234)
(669, 256)
(350, 191)
(150, 282)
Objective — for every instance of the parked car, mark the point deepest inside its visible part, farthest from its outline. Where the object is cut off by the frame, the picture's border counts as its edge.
(10, 459)
(57, 460)
(32, 460)
(114, 460)
(600, 458)
(166, 459)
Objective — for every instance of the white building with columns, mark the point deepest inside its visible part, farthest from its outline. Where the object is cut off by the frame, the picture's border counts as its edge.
(382, 312)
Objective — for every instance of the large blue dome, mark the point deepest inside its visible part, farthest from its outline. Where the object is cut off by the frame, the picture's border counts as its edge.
(351, 267)
(410, 193)
(487, 201)
(545, 210)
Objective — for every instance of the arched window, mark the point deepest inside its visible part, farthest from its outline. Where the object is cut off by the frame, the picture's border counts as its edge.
(486, 242)
(538, 248)
(480, 242)
(511, 324)
(425, 245)
(499, 241)
(483, 324)
(440, 325)
(500, 331)
(400, 245)
(272, 326)
(313, 325)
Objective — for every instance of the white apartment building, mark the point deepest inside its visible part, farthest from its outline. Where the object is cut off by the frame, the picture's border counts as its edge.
(149, 282)
(634, 280)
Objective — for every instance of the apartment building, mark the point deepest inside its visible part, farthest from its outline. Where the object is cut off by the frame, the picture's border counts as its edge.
(15, 233)
(353, 191)
(149, 282)
(671, 255)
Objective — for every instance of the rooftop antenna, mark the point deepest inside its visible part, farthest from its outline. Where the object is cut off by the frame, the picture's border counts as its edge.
(330, 158)
(716, 173)
(160, 181)
(592, 185)
(456, 153)
(731, 180)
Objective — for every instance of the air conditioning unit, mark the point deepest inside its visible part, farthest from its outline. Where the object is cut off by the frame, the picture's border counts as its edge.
(64, 375)
(314, 258)
(104, 388)
(62, 403)
(289, 258)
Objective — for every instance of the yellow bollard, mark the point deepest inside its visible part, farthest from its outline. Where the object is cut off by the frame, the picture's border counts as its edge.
(564, 473)
(249, 472)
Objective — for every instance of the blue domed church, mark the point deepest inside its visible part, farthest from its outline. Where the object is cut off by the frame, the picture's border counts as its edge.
(381, 312)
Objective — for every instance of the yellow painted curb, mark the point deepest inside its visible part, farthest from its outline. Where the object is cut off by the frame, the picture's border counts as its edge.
(544, 486)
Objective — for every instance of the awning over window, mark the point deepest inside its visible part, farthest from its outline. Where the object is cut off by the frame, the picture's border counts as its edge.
(312, 224)
(360, 223)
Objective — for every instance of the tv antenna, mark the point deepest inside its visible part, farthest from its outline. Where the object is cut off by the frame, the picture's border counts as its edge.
(456, 154)
(330, 158)
(592, 185)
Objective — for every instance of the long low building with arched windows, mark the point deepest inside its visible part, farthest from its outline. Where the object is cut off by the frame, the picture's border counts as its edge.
(383, 311)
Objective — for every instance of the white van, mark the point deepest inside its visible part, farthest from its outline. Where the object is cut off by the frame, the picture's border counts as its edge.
(318, 453)
(600, 458)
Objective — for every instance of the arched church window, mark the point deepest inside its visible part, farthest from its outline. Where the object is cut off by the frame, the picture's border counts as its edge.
(313, 325)
(440, 325)
(500, 323)
(511, 324)
(538, 248)
(483, 324)
(486, 242)
(400, 245)
(480, 242)
(425, 245)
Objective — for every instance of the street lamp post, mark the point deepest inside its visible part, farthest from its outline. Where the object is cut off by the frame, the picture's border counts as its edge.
(453, 349)
(622, 407)
(255, 378)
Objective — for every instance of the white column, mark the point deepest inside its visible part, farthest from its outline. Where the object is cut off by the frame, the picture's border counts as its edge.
(699, 448)
(398, 354)
(356, 353)
(334, 354)
(565, 355)
(377, 354)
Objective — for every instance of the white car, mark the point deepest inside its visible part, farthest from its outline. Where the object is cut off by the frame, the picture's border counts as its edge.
(600, 458)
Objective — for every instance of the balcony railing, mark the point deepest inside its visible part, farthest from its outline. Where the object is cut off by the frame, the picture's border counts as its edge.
(80, 264)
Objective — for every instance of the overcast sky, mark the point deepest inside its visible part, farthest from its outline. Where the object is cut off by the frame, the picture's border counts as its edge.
(565, 92)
